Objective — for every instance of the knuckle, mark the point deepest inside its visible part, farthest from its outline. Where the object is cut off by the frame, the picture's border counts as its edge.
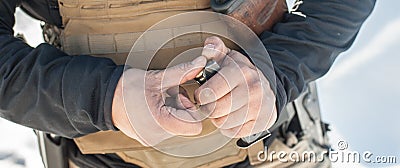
(162, 110)
(248, 72)
(154, 75)
(254, 113)
(197, 95)
(230, 65)
(255, 90)
(213, 39)
(228, 133)
(189, 129)
(218, 122)
(235, 55)
(196, 130)
(220, 112)
(183, 67)
(209, 108)
(245, 70)
(208, 39)
(256, 83)
(205, 96)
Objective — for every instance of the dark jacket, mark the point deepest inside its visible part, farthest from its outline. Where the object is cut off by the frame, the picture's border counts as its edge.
(46, 89)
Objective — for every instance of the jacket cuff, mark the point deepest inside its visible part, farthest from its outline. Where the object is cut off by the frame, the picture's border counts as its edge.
(281, 98)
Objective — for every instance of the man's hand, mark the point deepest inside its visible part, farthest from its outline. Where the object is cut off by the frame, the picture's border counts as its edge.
(238, 99)
(142, 108)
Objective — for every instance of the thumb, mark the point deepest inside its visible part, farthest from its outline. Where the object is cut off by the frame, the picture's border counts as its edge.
(215, 49)
(183, 72)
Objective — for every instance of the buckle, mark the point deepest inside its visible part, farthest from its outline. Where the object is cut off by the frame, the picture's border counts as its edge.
(248, 141)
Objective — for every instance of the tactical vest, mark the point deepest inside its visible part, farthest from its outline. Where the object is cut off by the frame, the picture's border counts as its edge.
(109, 28)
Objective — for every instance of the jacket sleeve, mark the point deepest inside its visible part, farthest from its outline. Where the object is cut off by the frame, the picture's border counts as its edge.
(303, 48)
(46, 89)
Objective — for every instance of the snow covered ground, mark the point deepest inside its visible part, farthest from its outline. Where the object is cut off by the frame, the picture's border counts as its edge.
(19, 146)
(359, 96)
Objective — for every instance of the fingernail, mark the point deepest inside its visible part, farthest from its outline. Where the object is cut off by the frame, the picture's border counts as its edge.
(210, 46)
(206, 94)
(197, 60)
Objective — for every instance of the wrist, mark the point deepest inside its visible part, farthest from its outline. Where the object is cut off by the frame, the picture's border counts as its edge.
(118, 114)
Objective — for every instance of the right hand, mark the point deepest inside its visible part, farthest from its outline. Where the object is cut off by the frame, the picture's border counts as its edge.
(139, 107)
(238, 99)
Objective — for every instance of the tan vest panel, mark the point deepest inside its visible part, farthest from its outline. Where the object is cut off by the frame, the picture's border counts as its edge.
(109, 28)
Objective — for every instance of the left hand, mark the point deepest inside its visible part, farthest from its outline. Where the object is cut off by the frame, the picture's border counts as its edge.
(148, 106)
(238, 99)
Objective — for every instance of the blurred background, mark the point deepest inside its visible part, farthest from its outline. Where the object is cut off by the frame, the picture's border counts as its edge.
(359, 96)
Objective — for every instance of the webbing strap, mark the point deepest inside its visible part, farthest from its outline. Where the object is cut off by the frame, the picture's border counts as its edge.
(116, 39)
(122, 42)
(107, 9)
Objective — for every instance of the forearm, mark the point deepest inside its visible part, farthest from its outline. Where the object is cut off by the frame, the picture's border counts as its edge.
(303, 49)
(45, 89)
